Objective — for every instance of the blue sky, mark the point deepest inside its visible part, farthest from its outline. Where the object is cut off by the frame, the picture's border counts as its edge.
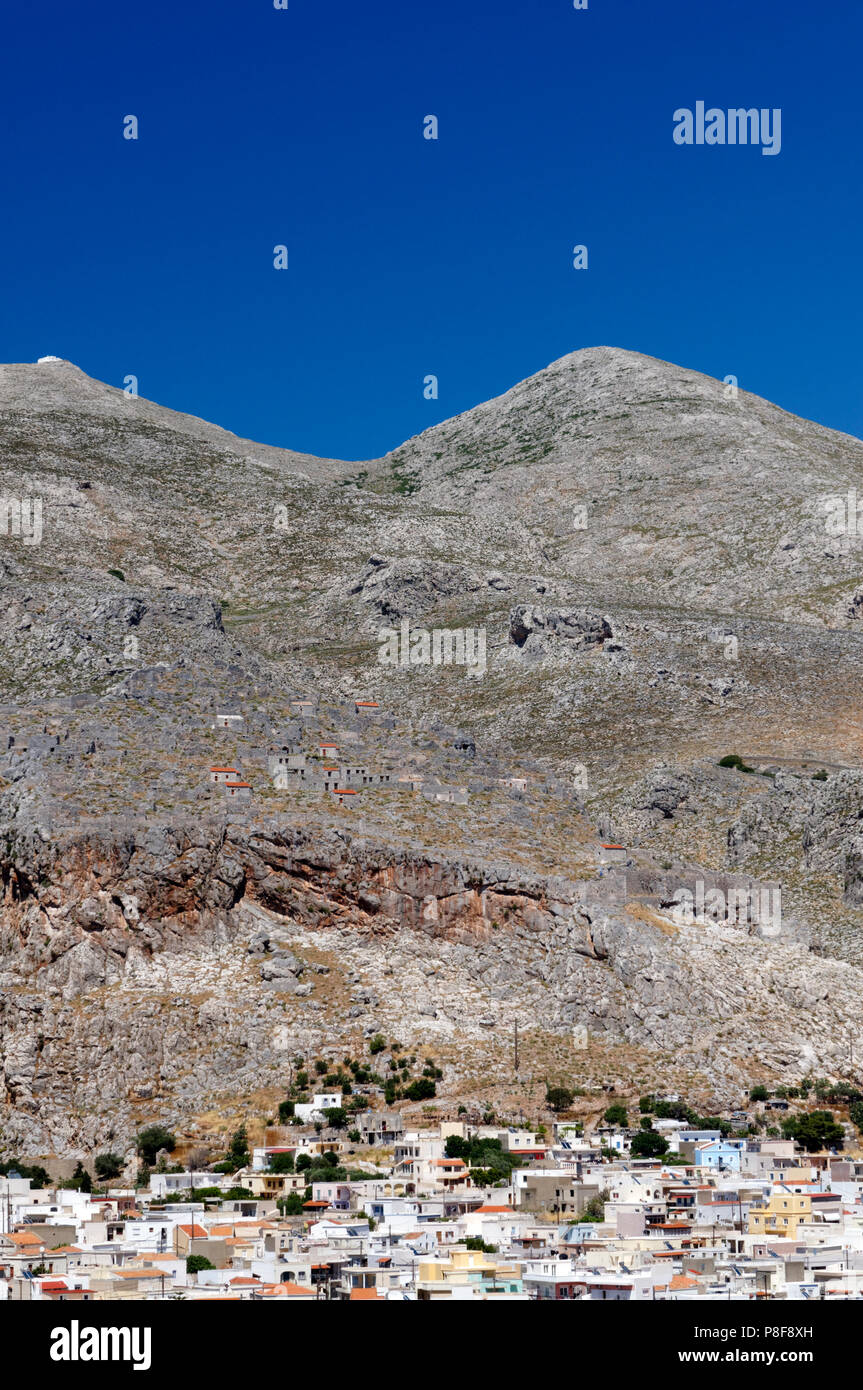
(408, 257)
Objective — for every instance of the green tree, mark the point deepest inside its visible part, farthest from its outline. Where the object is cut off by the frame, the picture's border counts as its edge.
(377, 1044)
(238, 1151)
(81, 1178)
(286, 1110)
(281, 1163)
(292, 1205)
(734, 760)
(421, 1089)
(151, 1140)
(815, 1131)
(595, 1208)
(558, 1098)
(196, 1262)
(759, 1093)
(354, 1136)
(336, 1116)
(648, 1144)
(108, 1166)
(456, 1147)
(616, 1115)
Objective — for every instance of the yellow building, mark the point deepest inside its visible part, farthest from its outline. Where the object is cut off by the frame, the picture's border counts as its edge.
(274, 1185)
(463, 1271)
(781, 1215)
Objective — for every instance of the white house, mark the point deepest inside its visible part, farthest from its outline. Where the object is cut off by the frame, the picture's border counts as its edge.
(314, 1109)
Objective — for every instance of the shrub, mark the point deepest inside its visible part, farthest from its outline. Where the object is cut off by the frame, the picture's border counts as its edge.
(108, 1166)
(817, 1130)
(734, 760)
(648, 1144)
(152, 1139)
(238, 1151)
(197, 1262)
(558, 1097)
(421, 1089)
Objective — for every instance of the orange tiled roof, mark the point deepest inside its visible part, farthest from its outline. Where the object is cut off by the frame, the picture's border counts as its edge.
(288, 1291)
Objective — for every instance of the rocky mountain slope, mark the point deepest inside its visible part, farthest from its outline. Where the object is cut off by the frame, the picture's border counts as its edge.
(648, 557)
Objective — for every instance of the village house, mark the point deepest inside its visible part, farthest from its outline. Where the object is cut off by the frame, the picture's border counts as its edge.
(228, 721)
(436, 791)
(241, 791)
(312, 1110)
(381, 1126)
(410, 782)
(287, 759)
(334, 1195)
(274, 1185)
(223, 774)
(612, 854)
(345, 796)
(781, 1214)
(366, 707)
(353, 775)
(468, 1275)
(303, 709)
